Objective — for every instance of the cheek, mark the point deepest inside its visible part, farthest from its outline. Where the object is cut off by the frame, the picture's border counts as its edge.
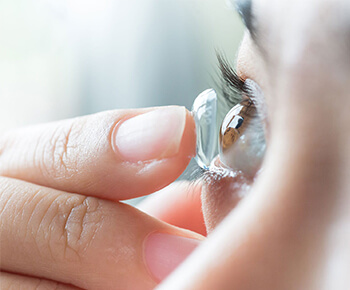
(219, 197)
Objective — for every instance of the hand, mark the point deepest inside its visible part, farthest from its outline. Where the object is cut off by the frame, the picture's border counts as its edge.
(62, 222)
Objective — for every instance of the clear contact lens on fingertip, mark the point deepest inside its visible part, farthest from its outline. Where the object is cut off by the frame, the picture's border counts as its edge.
(204, 112)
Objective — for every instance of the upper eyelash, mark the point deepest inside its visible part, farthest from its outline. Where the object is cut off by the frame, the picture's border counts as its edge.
(233, 87)
(233, 90)
(229, 74)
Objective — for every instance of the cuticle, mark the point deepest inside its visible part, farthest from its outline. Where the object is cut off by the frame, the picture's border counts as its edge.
(165, 232)
(144, 255)
(116, 125)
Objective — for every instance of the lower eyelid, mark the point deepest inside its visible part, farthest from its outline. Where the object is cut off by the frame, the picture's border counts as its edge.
(257, 95)
(260, 102)
(219, 171)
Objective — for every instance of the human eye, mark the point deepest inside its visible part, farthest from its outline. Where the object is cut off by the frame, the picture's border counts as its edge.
(240, 141)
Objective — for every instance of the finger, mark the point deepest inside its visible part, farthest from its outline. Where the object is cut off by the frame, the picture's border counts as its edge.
(179, 204)
(13, 281)
(84, 241)
(115, 155)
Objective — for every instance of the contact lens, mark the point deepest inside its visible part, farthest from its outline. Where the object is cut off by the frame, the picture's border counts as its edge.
(239, 143)
(204, 111)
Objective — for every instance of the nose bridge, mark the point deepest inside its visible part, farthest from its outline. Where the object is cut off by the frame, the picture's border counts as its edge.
(309, 133)
(311, 38)
(310, 77)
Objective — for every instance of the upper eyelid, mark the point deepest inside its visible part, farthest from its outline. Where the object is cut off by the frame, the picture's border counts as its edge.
(230, 75)
(235, 88)
(241, 88)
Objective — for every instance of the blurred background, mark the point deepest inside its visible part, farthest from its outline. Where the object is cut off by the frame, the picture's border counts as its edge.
(60, 59)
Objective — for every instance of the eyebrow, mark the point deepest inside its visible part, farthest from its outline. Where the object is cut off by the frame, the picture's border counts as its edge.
(244, 8)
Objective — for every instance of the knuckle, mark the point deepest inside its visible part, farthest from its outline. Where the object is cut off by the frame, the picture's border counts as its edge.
(72, 228)
(59, 153)
(5, 196)
(60, 227)
(82, 225)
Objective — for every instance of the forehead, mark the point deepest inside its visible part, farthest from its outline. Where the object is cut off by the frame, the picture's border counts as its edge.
(291, 33)
(300, 52)
(332, 12)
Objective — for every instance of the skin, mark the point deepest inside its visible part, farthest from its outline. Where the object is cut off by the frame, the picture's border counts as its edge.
(62, 222)
(290, 232)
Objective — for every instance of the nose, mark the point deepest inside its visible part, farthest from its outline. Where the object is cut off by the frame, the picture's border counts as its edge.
(295, 219)
(308, 159)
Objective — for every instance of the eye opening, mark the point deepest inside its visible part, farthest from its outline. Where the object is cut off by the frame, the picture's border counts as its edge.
(236, 122)
(235, 89)
(242, 132)
(244, 138)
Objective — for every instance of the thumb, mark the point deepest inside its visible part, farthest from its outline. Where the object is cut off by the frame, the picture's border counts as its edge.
(114, 155)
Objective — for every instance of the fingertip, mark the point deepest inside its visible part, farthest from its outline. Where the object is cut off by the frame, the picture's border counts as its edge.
(115, 155)
(142, 177)
(188, 144)
(154, 135)
(165, 252)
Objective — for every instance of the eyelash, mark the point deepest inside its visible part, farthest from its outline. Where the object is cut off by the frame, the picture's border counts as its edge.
(233, 86)
(233, 91)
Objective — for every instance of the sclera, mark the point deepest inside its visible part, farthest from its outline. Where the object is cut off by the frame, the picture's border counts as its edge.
(241, 141)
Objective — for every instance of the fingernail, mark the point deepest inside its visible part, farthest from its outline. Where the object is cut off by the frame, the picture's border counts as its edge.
(164, 253)
(153, 135)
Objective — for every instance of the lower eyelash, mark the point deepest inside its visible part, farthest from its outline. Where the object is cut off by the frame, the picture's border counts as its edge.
(213, 177)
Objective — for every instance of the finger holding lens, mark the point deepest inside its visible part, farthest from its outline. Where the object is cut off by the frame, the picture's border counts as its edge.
(114, 155)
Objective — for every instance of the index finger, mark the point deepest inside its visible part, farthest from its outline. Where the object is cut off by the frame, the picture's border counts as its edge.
(115, 155)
